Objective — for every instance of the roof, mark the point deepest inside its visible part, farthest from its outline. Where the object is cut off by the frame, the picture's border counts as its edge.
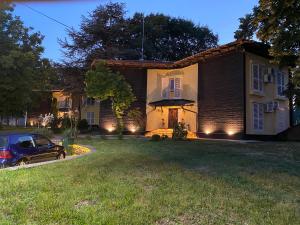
(172, 102)
(239, 45)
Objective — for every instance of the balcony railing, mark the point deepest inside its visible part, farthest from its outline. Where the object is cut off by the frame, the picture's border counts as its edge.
(172, 94)
(64, 105)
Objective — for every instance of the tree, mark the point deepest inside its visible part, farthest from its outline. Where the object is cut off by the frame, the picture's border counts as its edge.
(22, 70)
(278, 24)
(108, 34)
(104, 84)
(247, 27)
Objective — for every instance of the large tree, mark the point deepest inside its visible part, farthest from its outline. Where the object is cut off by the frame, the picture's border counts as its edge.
(108, 34)
(22, 70)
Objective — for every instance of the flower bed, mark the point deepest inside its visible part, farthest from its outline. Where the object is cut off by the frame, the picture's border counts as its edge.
(78, 149)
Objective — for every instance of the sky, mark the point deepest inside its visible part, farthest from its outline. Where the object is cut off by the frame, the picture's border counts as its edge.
(221, 16)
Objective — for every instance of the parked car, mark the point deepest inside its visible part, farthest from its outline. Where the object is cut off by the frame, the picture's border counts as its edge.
(21, 149)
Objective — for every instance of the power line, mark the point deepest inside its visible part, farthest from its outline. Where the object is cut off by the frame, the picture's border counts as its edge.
(43, 14)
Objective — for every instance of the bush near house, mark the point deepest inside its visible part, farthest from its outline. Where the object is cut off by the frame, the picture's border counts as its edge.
(83, 126)
(180, 132)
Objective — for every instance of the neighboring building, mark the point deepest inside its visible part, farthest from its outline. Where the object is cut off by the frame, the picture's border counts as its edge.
(229, 91)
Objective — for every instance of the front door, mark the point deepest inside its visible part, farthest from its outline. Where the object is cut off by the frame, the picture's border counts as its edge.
(173, 118)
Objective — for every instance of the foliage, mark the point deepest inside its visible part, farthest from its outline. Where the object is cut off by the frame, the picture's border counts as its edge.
(164, 137)
(137, 116)
(46, 120)
(246, 28)
(23, 71)
(44, 131)
(104, 84)
(180, 132)
(155, 137)
(278, 24)
(65, 123)
(109, 34)
(83, 125)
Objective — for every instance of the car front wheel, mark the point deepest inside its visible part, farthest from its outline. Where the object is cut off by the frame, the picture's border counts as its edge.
(22, 162)
(61, 156)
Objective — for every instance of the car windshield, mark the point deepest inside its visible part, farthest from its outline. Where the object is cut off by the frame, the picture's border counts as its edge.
(3, 141)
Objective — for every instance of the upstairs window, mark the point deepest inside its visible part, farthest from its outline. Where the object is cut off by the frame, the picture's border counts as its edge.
(258, 116)
(171, 88)
(257, 77)
(280, 83)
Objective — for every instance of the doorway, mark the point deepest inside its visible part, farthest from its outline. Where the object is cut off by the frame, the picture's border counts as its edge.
(173, 118)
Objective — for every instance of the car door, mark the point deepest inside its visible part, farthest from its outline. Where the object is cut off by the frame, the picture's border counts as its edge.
(25, 148)
(45, 147)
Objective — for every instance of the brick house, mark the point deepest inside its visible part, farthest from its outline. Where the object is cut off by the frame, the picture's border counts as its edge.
(231, 91)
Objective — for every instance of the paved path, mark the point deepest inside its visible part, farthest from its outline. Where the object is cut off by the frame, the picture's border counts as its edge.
(52, 161)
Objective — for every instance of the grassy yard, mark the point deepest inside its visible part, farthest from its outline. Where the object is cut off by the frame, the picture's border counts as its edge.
(163, 183)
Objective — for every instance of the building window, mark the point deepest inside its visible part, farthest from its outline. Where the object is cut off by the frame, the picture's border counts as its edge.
(258, 116)
(257, 77)
(90, 117)
(280, 83)
(171, 88)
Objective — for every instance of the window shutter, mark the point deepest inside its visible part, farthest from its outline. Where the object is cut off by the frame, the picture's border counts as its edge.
(177, 88)
(261, 77)
(164, 87)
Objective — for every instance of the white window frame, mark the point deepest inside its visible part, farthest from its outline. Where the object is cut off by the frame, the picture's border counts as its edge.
(90, 117)
(258, 116)
(280, 83)
(259, 79)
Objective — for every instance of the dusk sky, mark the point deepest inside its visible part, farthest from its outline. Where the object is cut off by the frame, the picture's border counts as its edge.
(220, 16)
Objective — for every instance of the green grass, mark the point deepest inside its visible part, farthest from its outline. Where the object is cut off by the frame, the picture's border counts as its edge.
(143, 182)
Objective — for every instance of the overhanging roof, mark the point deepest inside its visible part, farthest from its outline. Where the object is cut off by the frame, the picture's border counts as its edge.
(172, 102)
(244, 45)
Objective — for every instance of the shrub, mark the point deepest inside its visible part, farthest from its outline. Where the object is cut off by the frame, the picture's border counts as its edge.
(155, 137)
(65, 123)
(44, 131)
(180, 132)
(164, 137)
(83, 125)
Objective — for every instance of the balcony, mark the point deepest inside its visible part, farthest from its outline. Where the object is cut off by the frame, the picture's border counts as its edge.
(64, 105)
(171, 93)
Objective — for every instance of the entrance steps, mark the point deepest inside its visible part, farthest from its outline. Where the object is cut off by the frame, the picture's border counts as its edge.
(169, 133)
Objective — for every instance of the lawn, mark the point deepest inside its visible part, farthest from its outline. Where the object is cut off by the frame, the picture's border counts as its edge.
(163, 183)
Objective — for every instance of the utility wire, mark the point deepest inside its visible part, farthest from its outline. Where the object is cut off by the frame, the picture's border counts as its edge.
(43, 14)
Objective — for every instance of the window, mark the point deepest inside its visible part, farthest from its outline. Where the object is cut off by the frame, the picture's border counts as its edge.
(90, 117)
(280, 83)
(41, 141)
(258, 116)
(25, 142)
(171, 88)
(257, 77)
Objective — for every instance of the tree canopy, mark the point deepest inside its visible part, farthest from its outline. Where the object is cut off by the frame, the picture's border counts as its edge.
(108, 34)
(104, 84)
(22, 69)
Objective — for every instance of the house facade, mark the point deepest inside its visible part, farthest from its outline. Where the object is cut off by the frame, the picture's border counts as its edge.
(231, 91)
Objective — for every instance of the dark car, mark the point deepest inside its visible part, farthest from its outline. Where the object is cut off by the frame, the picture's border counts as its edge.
(21, 149)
